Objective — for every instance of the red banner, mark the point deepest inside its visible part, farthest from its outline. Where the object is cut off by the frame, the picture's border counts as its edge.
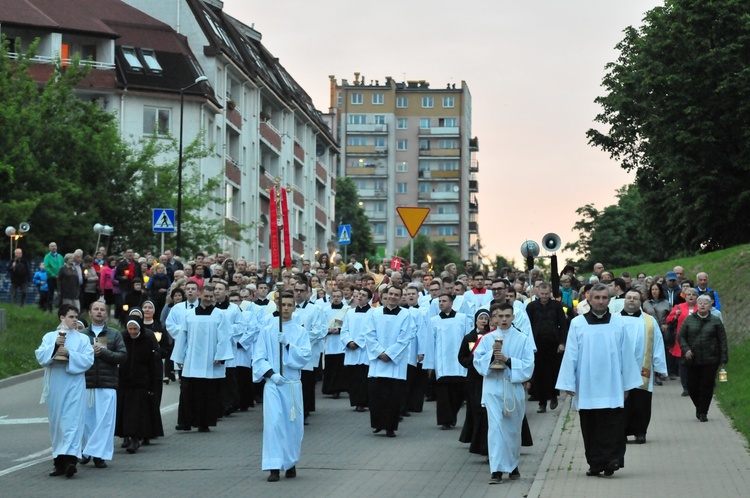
(287, 236)
(273, 221)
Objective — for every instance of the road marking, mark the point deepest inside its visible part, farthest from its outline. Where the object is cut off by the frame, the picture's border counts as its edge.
(4, 420)
(48, 451)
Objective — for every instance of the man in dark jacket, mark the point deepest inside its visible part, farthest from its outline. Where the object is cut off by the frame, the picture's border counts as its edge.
(101, 386)
(20, 276)
(550, 327)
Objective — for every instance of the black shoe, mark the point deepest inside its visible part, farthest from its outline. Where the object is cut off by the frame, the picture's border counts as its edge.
(336, 396)
(685, 393)
(407, 414)
(445, 427)
(375, 431)
(125, 442)
(146, 442)
(84, 459)
(274, 477)
(57, 471)
(182, 427)
(390, 434)
(611, 468)
(360, 409)
(515, 474)
(99, 463)
(291, 473)
(542, 409)
(553, 404)
(496, 478)
(593, 473)
(697, 415)
(134, 445)
(658, 381)
(204, 428)
(703, 417)
(70, 470)
(166, 380)
(640, 439)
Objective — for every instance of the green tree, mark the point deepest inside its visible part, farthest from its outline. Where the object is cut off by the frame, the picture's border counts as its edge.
(439, 252)
(350, 212)
(677, 113)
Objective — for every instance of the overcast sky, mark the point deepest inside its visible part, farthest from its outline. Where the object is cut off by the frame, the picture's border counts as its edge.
(533, 69)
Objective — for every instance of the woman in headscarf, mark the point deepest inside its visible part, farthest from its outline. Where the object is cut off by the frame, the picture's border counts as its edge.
(139, 381)
(475, 426)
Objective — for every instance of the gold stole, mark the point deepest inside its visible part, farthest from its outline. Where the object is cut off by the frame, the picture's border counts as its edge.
(648, 353)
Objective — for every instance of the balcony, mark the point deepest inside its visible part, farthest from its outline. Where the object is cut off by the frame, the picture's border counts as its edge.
(474, 167)
(438, 196)
(234, 117)
(439, 152)
(271, 135)
(320, 170)
(232, 171)
(448, 239)
(440, 131)
(473, 207)
(375, 215)
(473, 227)
(320, 214)
(299, 152)
(366, 171)
(443, 218)
(367, 128)
(473, 186)
(442, 174)
(372, 192)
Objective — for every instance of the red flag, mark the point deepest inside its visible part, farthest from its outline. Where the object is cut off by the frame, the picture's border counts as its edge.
(287, 236)
(274, 232)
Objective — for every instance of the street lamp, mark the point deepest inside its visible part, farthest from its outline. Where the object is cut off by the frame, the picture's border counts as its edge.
(198, 80)
(100, 230)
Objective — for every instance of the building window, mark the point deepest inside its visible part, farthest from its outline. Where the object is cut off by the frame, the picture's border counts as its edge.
(355, 141)
(402, 167)
(447, 209)
(379, 207)
(379, 185)
(424, 144)
(357, 119)
(447, 144)
(428, 102)
(402, 124)
(380, 119)
(360, 184)
(402, 102)
(378, 98)
(357, 98)
(378, 229)
(449, 102)
(401, 232)
(379, 142)
(401, 187)
(156, 121)
(424, 124)
(131, 57)
(149, 57)
(424, 187)
(448, 166)
(447, 230)
(402, 144)
(424, 230)
(447, 122)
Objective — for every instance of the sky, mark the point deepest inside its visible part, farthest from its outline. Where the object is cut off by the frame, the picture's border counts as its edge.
(533, 69)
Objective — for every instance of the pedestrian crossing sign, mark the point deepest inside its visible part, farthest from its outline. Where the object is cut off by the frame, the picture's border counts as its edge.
(162, 220)
(345, 235)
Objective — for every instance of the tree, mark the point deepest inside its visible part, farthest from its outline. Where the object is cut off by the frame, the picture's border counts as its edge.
(439, 252)
(615, 236)
(350, 212)
(678, 115)
(64, 167)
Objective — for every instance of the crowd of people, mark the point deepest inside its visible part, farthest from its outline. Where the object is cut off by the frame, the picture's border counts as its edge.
(392, 336)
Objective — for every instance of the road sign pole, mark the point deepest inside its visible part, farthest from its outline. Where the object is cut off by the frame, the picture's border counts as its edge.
(162, 244)
(411, 252)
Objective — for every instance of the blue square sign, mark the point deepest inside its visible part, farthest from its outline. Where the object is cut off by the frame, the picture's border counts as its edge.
(162, 220)
(345, 235)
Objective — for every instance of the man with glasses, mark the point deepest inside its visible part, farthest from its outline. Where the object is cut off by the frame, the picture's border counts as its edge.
(313, 320)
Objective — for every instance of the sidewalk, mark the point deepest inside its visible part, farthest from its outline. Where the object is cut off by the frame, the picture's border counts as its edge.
(682, 456)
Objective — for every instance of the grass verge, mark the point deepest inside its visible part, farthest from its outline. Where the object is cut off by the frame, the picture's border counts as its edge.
(25, 328)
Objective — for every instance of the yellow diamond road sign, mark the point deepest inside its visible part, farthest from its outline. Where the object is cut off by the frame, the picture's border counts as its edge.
(413, 217)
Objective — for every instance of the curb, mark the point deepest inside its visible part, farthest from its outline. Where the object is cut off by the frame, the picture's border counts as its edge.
(549, 454)
(17, 379)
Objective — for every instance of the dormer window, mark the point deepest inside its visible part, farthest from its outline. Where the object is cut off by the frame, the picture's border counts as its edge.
(131, 57)
(149, 57)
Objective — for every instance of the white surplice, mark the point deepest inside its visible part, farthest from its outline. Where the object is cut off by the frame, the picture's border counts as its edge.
(447, 334)
(353, 330)
(389, 334)
(202, 340)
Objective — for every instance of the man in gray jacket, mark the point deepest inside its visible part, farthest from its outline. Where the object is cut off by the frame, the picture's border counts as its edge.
(101, 387)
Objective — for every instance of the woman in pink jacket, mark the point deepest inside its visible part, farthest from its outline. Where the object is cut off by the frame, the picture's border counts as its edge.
(675, 319)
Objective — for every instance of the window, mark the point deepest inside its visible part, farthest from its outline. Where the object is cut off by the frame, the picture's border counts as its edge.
(424, 124)
(449, 102)
(424, 144)
(156, 121)
(424, 230)
(357, 119)
(379, 207)
(449, 230)
(378, 229)
(402, 167)
(379, 142)
(447, 122)
(447, 144)
(357, 98)
(132, 59)
(447, 209)
(377, 98)
(355, 141)
(424, 187)
(149, 57)
(380, 119)
(402, 144)
(379, 185)
(447, 187)
(402, 124)
(401, 232)
(401, 188)
(402, 102)
(360, 184)
(448, 166)
(428, 102)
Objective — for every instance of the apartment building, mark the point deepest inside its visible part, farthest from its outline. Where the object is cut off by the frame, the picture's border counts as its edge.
(408, 144)
(259, 123)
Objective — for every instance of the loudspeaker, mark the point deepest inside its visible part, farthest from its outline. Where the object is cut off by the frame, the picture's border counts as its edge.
(551, 242)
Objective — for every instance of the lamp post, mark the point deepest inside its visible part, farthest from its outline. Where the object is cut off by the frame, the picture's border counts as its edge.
(100, 230)
(198, 80)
